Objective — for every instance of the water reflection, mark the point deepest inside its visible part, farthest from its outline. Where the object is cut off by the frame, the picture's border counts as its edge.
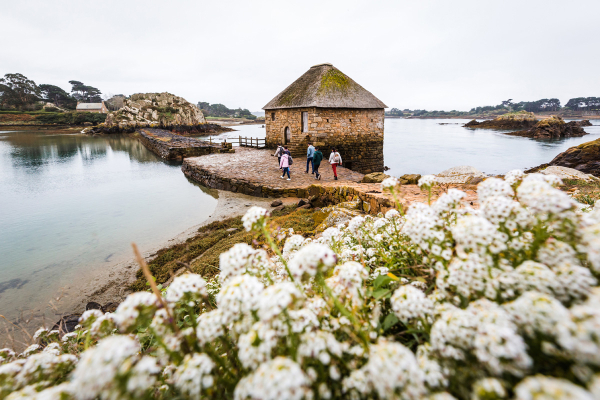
(73, 203)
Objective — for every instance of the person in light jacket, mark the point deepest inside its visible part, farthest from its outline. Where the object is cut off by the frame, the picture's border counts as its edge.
(285, 165)
(335, 159)
(278, 154)
(309, 158)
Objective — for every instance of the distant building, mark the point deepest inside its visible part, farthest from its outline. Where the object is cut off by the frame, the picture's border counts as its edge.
(92, 107)
(328, 108)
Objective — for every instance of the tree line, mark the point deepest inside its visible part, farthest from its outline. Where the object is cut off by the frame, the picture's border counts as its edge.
(542, 105)
(17, 92)
(220, 110)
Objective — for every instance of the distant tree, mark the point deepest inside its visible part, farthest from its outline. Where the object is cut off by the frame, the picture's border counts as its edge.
(583, 103)
(395, 112)
(58, 96)
(84, 93)
(17, 91)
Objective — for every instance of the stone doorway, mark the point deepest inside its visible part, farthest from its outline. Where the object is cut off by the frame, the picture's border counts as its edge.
(287, 135)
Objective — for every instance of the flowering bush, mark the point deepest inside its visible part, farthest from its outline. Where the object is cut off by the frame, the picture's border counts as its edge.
(443, 302)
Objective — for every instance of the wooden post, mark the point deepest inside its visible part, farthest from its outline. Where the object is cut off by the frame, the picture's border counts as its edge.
(240, 141)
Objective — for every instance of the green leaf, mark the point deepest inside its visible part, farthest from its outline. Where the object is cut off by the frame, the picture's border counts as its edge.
(390, 321)
(379, 293)
(380, 281)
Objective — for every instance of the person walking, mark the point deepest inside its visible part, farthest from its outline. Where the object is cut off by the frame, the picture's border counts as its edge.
(285, 165)
(278, 153)
(309, 158)
(317, 158)
(335, 159)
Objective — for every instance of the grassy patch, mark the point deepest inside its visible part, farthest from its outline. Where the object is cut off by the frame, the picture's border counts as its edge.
(202, 251)
(586, 192)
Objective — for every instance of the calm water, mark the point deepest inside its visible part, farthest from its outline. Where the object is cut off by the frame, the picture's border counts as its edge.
(72, 203)
(427, 146)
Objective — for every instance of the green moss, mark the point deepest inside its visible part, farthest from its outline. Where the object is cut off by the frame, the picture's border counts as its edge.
(334, 80)
(202, 251)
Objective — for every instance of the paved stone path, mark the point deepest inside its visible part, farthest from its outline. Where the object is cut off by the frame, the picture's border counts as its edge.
(259, 166)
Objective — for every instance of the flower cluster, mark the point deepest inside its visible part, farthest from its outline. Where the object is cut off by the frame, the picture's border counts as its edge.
(444, 302)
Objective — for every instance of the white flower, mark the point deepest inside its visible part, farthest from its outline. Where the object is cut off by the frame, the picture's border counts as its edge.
(194, 376)
(389, 183)
(210, 326)
(541, 387)
(513, 177)
(541, 198)
(410, 303)
(143, 376)
(192, 285)
(346, 282)
(293, 244)
(239, 296)
(277, 298)
(98, 367)
(319, 345)
(494, 187)
(135, 305)
(391, 372)
(488, 388)
(255, 346)
(254, 218)
(280, 378)
(436, 376)
(427, 181)
(484, 331)
(311, 258)
(242, 258)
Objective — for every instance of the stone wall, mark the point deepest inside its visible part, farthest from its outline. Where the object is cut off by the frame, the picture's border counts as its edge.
(356, 133)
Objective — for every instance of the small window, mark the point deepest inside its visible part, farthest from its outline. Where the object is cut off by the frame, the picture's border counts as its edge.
(371, 119)
(272, 116)
(350, 119)
(327, 119)
(304, 121)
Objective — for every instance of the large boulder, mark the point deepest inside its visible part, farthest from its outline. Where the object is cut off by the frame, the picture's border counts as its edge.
(460, 174)
(410, 179)
(584, 158)
(551, 128)
(375, 177)
(567, 173)
(155, 110)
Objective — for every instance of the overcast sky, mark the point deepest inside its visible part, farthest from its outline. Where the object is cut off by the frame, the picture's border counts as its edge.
(411, 54)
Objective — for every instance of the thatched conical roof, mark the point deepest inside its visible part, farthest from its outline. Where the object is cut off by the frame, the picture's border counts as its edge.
(324, 86)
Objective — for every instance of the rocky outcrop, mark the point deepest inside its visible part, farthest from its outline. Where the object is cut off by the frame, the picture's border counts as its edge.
(584, 158)
(374, 177)
(460, 174)
(552, 128)
(410, 179)
(567, 173)
(520, 120)
(155, 109)
(585, 122)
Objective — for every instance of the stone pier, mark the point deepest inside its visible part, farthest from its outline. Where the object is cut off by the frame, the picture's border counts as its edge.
(256, 173)
(171, 146)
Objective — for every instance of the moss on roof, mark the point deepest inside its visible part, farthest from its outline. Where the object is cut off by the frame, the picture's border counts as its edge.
(327, 87)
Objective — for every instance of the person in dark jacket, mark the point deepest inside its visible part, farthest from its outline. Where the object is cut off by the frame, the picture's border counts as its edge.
(317, 158)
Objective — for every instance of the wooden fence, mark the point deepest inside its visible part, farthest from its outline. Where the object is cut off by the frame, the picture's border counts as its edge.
(242, 141)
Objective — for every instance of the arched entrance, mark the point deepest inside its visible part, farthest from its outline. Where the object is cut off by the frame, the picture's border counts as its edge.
(287, 135)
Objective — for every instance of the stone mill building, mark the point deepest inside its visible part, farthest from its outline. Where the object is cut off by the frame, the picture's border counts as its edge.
(324, 106)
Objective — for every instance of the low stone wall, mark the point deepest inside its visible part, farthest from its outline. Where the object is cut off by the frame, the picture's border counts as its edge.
(171, 146)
